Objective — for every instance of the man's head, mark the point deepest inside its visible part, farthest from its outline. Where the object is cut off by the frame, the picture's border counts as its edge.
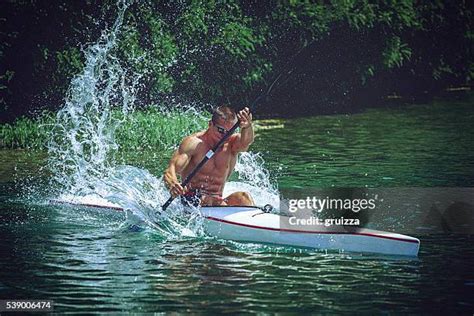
(223, 118)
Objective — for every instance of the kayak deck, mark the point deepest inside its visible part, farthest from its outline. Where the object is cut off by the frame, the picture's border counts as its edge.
(251, 224)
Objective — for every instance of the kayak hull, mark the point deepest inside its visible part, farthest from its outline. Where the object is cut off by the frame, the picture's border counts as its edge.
(251, 224)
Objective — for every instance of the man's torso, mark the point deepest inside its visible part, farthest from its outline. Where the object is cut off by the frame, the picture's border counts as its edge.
(213, 175)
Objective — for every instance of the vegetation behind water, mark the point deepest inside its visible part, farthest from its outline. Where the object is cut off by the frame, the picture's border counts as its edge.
(228, 51)
(145, 129)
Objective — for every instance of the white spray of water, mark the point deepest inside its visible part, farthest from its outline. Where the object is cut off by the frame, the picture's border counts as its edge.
(83, 144)
(255, 179)
(82, 149)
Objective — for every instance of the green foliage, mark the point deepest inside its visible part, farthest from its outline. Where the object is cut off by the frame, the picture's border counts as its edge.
(396, 53)
(27, 133)
(358, 14)
(366, 73)
(69, 62)
(158, 130)
(225, 51)
(442, 68)
(146, 129)
(301, 18)
(218, 48)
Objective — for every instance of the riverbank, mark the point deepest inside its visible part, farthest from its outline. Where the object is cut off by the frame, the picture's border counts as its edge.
(367, 101)
(153, 128)
(405, 146)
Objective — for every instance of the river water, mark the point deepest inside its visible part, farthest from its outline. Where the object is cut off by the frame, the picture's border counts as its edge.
(418, 158)
(88, 261)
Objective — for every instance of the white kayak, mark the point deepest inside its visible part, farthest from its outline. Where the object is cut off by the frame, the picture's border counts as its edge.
(252, 224)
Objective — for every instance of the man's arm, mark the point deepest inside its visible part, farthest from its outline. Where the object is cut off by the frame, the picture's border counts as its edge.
(245, 138)
(180, 159)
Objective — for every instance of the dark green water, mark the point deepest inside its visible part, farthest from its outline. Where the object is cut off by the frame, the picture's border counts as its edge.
(418, 145)
(88, 262)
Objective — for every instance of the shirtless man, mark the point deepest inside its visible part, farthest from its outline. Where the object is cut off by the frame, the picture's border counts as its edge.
(207, 185)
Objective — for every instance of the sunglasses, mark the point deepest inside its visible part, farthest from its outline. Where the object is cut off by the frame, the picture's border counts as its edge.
(220, 129)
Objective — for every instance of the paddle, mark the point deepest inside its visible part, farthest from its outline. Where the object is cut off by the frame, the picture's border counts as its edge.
(212, 151)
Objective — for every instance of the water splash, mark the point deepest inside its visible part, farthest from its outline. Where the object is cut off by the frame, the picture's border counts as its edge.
(83, 143)
(255, 179)
(82, 150)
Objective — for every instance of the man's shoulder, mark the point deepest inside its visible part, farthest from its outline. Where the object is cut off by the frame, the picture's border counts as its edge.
(193, 138)
(192, 141)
